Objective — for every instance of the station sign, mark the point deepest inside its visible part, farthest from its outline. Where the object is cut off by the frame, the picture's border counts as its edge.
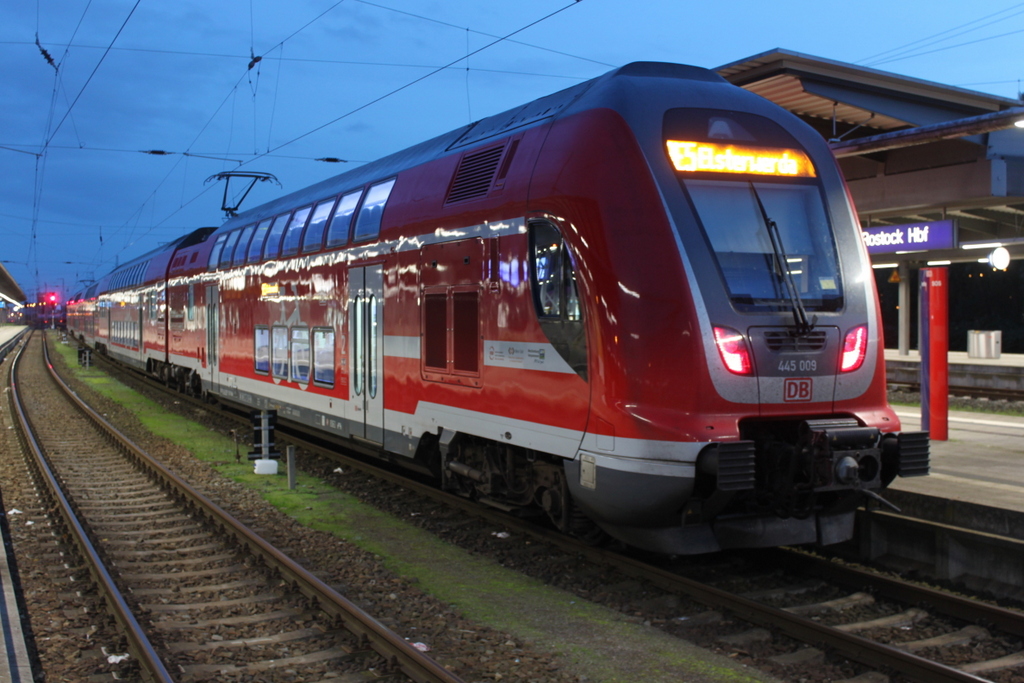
(889, 239)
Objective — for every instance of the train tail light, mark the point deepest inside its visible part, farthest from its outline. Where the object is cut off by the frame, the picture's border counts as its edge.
(732, 346)
(855, 348)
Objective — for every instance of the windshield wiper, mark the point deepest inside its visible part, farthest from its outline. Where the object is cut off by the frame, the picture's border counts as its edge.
(803, 326)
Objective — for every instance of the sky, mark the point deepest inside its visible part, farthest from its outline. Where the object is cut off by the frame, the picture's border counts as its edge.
(88, 87)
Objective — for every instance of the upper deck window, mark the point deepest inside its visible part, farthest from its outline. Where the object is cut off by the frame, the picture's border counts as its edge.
(229, 249)
(293, 236)
(314, 237)
(243, 244)
(214, 255)
(337, 233)
(258, 237)
(272, 247)
(372, 211)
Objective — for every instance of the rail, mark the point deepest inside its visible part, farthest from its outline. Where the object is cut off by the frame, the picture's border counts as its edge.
(138, 643)
(413, 663)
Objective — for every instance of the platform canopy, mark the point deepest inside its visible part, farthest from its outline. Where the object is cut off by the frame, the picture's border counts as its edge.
(912, 151)
(10, 292)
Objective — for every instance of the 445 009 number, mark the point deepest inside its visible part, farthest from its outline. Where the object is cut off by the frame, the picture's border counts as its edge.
(798, 365)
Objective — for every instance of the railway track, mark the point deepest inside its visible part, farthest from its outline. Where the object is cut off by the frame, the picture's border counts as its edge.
(965, 391)
(811, 607)
(197, 594)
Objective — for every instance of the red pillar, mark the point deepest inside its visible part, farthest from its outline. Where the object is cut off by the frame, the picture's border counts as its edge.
(938, 347)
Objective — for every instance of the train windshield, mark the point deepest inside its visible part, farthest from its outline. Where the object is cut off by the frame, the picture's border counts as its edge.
(736, 229)
(758, 199)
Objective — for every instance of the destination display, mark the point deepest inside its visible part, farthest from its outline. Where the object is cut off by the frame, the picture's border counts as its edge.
(710, 157)
(889, 239)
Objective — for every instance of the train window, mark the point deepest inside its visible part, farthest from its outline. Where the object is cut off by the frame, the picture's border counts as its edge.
(337, 233)
(293, 235)
(313, 239)
(261, 350)
(228, 252)
(151, 305)
(191, 302)
(300, 354)
(739, 234)
(243, 245)
(548, 270)
(272, 247)
(556, 295)
(215, 252)
(323, 356)
(279, 351)
(256, 243)
(372, 211)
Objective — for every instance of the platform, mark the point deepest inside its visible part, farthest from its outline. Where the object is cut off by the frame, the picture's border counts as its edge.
(1005, 373)
(977, 476)
(14, 659)
(8, 332)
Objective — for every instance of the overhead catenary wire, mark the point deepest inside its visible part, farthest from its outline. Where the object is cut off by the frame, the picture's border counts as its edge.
(417, 80)
(88, 80)
(911, 49)
(351, 112)
(132, 224)
(949, 47)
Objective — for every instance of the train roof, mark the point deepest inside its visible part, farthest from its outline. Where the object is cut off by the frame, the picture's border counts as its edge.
(149, 267)
(603, 91)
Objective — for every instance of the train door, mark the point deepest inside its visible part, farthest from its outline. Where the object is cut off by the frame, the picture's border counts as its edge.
(366, 325)
(212, 334)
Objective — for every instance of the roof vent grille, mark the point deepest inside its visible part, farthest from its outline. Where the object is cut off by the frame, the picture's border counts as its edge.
(474, 175)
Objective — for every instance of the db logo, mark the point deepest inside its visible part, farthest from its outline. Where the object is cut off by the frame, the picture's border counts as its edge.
(797, 389)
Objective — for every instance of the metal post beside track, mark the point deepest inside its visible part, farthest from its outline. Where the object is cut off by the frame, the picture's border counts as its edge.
(290, 454)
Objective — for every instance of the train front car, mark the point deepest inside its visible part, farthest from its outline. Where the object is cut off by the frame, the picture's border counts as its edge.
(735, 352)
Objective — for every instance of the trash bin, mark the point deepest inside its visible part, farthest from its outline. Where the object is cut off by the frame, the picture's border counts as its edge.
(984, 343)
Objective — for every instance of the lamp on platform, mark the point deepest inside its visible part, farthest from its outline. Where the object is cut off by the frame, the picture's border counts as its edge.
(999, 258)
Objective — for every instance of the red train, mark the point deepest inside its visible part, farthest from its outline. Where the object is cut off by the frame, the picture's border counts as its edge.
(639, 306)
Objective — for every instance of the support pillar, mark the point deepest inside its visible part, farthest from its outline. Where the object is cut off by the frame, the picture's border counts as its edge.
(903, 327)
(934, 345)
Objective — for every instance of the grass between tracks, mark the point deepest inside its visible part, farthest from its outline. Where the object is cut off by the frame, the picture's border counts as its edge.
(601, 643)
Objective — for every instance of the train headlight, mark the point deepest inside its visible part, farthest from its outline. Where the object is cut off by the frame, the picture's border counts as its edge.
(855, 348)
(732, 346)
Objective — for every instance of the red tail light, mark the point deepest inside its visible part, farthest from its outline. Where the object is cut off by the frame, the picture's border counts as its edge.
(732, 346)
(855, 348)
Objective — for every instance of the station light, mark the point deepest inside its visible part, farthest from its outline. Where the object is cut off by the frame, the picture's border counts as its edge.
(999, 258)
